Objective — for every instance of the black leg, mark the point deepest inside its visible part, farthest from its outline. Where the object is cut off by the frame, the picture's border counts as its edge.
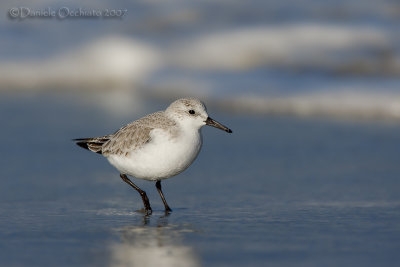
(141, 192)
(158, 185)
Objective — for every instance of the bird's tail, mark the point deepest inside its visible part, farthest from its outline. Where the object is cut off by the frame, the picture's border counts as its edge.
(94, 144)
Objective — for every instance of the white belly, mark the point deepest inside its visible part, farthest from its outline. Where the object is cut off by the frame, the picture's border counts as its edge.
(161, 158)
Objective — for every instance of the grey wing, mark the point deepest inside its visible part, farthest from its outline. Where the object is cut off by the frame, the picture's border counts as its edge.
(126, 139)
(136, 134)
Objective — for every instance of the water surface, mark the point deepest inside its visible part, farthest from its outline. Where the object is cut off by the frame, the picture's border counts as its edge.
(279, 191)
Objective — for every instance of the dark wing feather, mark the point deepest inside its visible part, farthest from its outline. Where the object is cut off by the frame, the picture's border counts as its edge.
(93, 144)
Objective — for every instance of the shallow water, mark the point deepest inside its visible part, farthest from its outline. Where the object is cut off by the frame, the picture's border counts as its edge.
(279, 191)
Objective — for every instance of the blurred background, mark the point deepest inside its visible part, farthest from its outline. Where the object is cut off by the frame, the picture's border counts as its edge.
(309, 175)
(335, 58)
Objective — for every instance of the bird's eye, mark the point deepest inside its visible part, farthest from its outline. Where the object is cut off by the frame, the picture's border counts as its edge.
(192, 111)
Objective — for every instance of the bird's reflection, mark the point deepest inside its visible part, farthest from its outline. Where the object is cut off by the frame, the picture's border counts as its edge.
(153, 244)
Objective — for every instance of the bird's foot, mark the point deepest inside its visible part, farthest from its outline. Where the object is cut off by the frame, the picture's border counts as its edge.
(168, 209)
(145, 211)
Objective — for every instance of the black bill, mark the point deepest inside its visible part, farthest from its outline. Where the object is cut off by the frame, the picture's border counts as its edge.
(218, 125)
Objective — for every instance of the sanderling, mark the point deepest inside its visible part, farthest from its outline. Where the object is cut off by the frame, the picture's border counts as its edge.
(157, 146)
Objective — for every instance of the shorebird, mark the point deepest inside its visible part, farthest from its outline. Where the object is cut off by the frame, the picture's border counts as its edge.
(157, 146)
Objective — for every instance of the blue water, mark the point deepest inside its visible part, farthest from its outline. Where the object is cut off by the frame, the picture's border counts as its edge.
(171, 24)
(279, 191)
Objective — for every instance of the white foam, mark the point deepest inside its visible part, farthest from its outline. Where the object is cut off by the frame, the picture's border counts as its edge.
(300, 44)
(105, 63)
(344, 103)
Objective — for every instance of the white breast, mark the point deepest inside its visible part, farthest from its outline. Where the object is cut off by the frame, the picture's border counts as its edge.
(163, 157)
